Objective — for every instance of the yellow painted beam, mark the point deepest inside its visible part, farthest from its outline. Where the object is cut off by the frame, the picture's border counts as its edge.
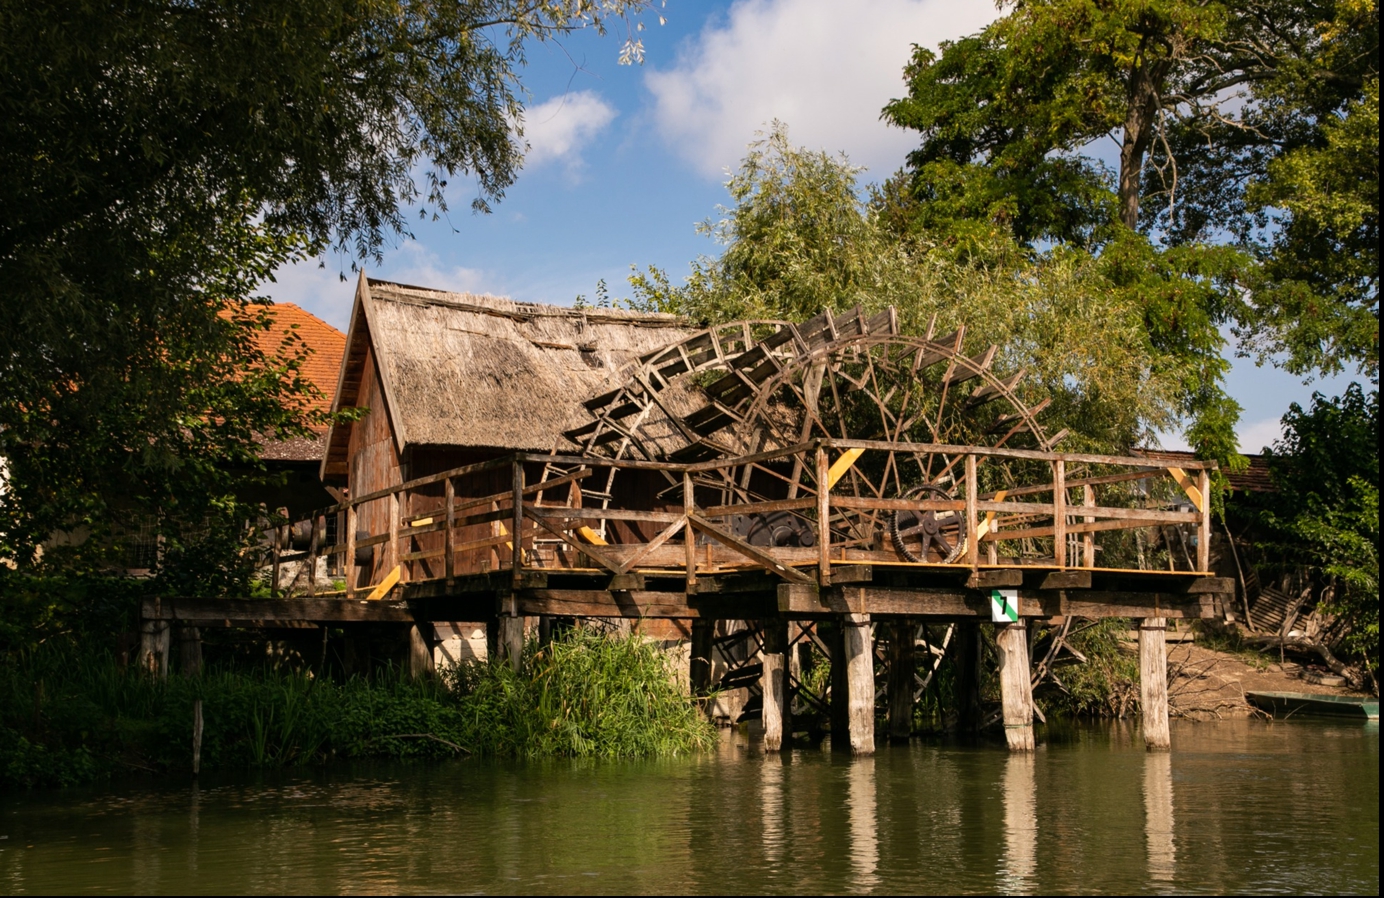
(988, 524)
(385, 585)
(590, 536)
(1189, 487)
(843, 464)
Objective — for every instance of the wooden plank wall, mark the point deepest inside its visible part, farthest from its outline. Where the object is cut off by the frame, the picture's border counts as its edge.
(374, 465)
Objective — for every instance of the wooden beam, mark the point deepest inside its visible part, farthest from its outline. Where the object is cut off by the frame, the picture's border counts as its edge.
(744, 548)
(267, 612)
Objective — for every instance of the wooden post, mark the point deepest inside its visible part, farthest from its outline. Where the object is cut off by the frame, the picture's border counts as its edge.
(823, 518)
(392, 558)
(703, 640)
(196, 736)
(690, 538)
(276, 551)
(1059, 513)
(901, 671)
(773, 681)
(1153, 682)
(449, 540)
(516, 531)
(968, 677)
(350, 565)
(420, 654)
(190, 651)
(853, 685)
(972, 519)
(1088, 539)
(1204, 525)
(313, 544)
(1016, 695)
(512, 640)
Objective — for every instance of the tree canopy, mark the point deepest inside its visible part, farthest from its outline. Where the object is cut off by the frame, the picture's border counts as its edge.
(159, 159)
(800, 238)
(1252, 125)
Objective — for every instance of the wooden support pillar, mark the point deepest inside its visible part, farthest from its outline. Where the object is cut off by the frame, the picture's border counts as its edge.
(420, 651)
(853, 685)
(511, 639)
(190, 651)
(968, 677)
(1153, 682)
(1016, 692)
(901, 671)
(154, 639)
(778, 713)
(699, 667)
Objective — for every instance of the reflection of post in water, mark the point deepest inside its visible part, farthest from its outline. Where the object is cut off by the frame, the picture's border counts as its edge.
(1020, 825)
(1158, 816)
(771, 805)
(863, 820)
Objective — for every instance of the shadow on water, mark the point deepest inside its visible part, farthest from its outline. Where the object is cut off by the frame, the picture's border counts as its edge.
(1238, 806)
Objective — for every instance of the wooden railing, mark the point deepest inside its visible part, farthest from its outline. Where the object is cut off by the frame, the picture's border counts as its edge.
(526, 513)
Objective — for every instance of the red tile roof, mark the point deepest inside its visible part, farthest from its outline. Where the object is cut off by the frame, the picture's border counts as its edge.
(321, 368)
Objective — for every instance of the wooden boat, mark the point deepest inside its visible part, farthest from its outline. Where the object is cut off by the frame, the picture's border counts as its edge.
(1296, 704)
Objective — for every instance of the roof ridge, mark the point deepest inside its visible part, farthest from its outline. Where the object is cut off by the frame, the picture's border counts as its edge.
(520, 309)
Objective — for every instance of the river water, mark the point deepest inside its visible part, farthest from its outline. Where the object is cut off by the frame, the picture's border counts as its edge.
(1238, 806)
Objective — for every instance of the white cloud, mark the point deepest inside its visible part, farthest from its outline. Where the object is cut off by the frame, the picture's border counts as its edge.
(823, 67)
(557, 130)
(1254, 437)
(316, 285)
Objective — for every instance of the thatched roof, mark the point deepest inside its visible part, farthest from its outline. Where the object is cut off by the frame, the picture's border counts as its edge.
(483, 371)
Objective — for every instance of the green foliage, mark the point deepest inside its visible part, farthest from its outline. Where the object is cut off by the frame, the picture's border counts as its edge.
(1324, 516)
(69, 714)
(1251, 125)
(158, 161)
(1319, 300)
(586, 695)
(1125, 341)
(1106, 685)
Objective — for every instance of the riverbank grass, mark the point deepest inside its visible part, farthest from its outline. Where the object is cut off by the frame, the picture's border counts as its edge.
(68, 716)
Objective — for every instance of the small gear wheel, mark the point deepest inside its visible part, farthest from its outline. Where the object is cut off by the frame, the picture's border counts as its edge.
(928, 537)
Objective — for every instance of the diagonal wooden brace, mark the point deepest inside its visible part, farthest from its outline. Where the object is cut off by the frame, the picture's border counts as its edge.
(748, 550)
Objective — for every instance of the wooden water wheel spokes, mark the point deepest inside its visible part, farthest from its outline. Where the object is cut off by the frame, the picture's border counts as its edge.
(893, 389)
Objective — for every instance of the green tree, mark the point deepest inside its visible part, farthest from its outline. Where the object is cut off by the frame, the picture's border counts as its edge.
(1228, 118)
(159, 159)
(1324, 516)
(799, 238)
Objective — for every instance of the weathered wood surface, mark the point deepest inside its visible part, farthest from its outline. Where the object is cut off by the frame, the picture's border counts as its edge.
(853, 685)
(901, 672)
(1016, 696)
(1153, 682)
(269, 612)
(778, 713)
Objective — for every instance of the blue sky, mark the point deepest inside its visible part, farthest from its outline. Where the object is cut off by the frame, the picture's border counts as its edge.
(625, 160)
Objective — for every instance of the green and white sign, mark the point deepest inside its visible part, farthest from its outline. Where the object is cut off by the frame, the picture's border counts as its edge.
(1004, 606)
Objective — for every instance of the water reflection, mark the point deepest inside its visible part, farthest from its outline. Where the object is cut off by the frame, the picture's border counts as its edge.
(863, 821)
(1251, 816)
(1158, 816)
(1020, 825)
(771, 804)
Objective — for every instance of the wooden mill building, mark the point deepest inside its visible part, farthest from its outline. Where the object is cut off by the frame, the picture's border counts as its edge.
(513, 461)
